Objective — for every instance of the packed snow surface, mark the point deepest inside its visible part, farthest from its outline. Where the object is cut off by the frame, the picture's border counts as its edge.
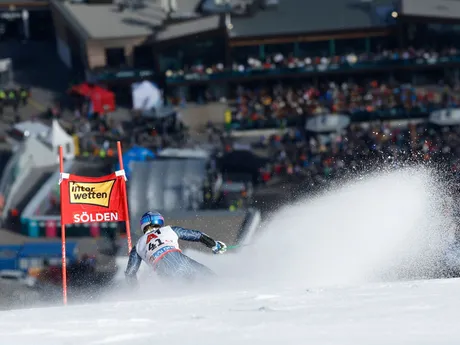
(347, 267)
(418, 312)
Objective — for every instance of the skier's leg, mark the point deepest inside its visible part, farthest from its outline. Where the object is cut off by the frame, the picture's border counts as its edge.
(178, 265)
(199, 268)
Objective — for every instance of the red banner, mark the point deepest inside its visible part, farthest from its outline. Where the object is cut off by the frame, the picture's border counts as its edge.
(92, 199)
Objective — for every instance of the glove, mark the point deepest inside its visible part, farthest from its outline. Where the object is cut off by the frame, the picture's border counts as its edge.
(219, 248)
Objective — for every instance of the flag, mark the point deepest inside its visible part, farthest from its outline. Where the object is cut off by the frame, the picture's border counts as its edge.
(92, 199)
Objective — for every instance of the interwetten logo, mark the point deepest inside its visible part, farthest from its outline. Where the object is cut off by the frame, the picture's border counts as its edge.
(91, 193)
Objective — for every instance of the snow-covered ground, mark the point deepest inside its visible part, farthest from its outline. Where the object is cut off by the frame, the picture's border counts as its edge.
(419, 312)
(344, 268)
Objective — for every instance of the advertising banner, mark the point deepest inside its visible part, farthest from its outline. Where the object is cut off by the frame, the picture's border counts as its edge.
(92, 199)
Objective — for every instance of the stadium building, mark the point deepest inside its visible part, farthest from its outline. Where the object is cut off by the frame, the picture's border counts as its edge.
(132, 40)
(119, 42)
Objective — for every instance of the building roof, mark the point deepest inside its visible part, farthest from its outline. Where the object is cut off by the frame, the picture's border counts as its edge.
(308, 16)
(20, 2)
(446, 9)
(190, 27)
(104, 21)
(187, 7)
(33, 128)
(100, 21)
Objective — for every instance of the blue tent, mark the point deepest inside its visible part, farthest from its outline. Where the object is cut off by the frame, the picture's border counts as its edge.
(9, 257)
(135, 154)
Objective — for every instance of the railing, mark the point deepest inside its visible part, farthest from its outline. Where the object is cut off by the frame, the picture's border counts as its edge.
(139, 73)
(342, 67)
(122, 73)
(393, 114)
(355, 116)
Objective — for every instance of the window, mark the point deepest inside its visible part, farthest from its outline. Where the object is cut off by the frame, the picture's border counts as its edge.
(143, 56)
(347, 46)
(240, 55)
(318, 48)
(115, 57)
(285, 48)
(193, 52)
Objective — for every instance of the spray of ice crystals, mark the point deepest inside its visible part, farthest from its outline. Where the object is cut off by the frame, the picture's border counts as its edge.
(384, 227)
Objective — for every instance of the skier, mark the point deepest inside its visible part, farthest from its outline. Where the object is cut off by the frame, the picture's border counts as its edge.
(159, 248)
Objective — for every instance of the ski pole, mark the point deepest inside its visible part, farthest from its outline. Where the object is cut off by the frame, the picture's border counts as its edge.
(236, 246)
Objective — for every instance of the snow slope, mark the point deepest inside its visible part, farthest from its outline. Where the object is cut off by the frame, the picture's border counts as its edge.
(344, 268)
(419, 312)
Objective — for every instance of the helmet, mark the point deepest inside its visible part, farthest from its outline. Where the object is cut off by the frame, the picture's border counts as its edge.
(151, 218)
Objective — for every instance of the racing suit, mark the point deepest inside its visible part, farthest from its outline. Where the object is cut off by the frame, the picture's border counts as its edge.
(167, 259)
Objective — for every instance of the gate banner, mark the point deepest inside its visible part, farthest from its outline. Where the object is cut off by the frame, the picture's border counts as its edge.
(92, 199)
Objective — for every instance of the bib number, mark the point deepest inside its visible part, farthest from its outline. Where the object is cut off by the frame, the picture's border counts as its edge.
(160, 241)
(155, 244)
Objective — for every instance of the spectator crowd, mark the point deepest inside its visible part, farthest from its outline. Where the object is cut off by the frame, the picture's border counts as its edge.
(321, 61)
(281, 106)
(318, 158)
(98, 133)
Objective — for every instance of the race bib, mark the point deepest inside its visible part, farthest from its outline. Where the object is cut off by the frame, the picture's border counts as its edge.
(156, 243)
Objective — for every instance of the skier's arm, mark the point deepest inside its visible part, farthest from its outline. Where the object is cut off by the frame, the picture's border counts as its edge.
(134, 262)
(198, 236)
(194, 236)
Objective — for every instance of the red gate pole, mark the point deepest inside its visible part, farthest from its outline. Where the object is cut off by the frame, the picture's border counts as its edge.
(125, 197)
(64, 261)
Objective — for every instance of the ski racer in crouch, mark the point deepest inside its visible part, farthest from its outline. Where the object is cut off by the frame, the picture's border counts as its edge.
(159, 248)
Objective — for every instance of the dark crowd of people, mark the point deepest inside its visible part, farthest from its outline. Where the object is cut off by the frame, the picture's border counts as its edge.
(280, 60)
(321, 60)
(317, 158)
(98, 133)
(286, 105)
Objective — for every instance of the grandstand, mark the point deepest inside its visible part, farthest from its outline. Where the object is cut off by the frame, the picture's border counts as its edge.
(124, 40)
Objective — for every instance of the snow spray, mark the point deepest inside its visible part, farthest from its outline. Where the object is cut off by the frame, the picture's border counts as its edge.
(384, 227)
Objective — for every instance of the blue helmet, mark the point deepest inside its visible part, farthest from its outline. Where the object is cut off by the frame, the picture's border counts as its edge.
(151, 218)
